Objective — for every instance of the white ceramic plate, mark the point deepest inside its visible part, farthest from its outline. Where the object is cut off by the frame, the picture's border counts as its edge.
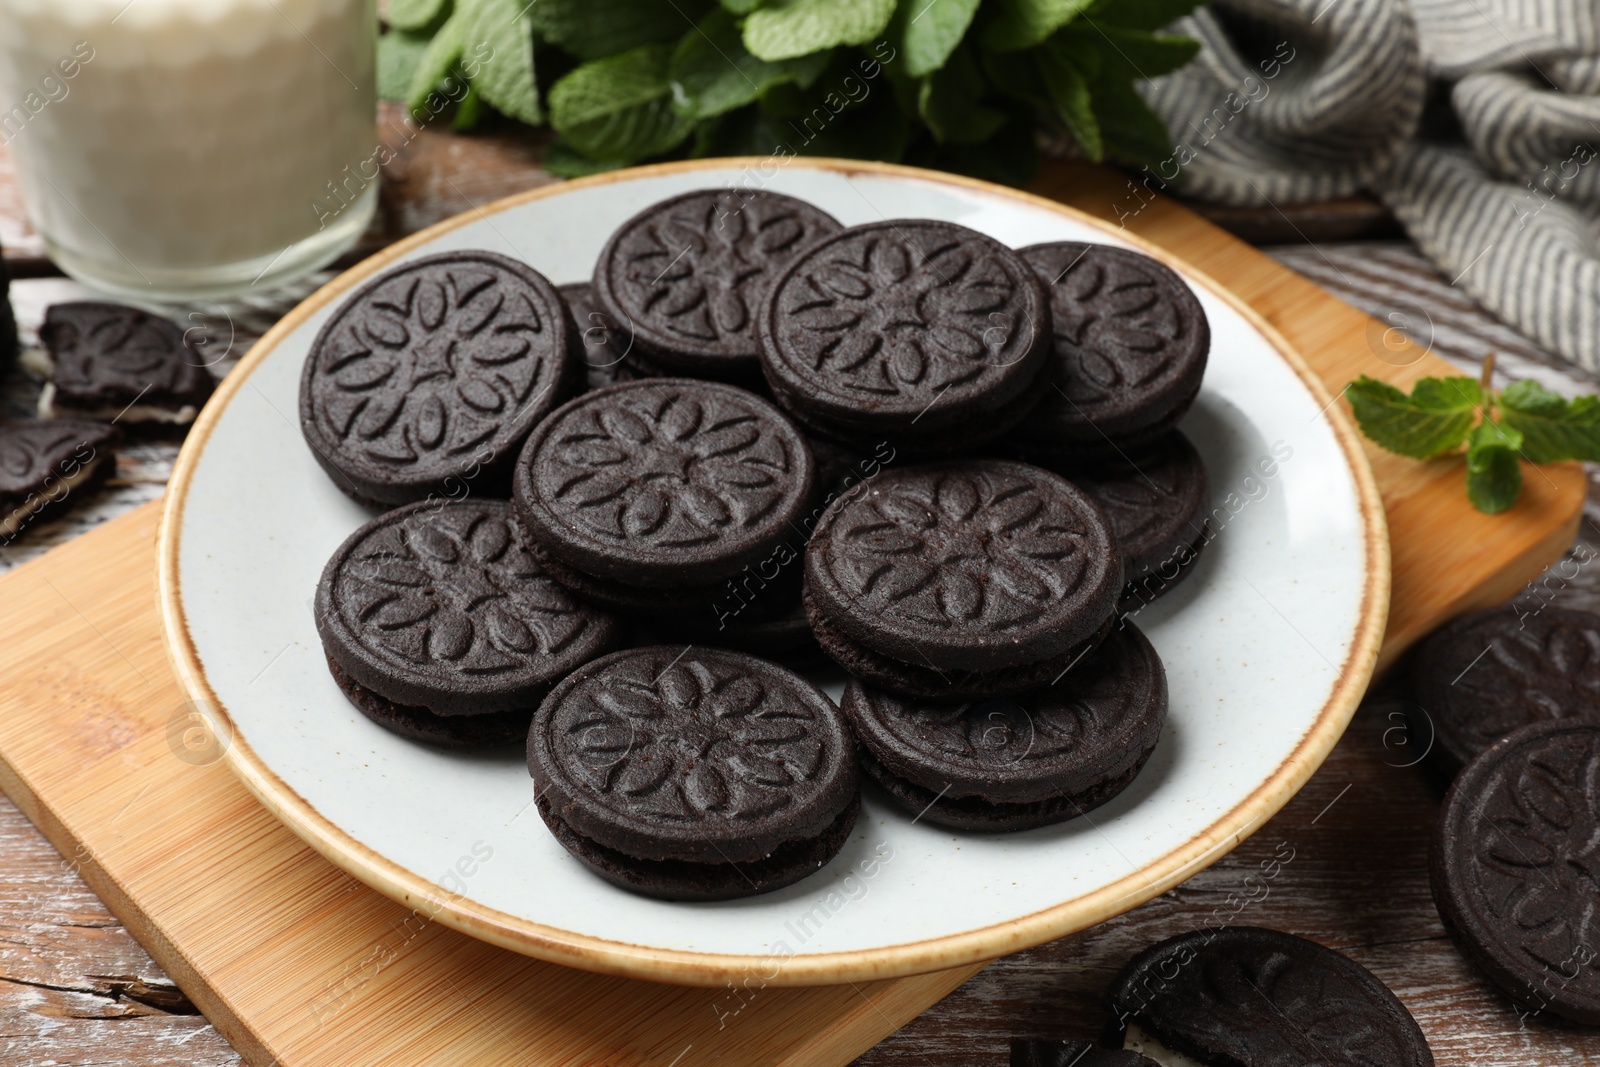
(1268, 646)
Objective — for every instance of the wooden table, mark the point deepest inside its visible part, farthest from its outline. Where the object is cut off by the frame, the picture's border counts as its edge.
(76, 989)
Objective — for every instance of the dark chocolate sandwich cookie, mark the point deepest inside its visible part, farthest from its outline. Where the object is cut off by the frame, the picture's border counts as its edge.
(976, 578)
(439, 624)
(694, 774)
(1486, 674)
(649, 495)
(428, 379)
(687, 273)
(600, 344)
(1155, 499)
(46, 466)
(1243, 996)
(926, 334)
(1513, 866)
(1036, 1053)
(1015, 764)
(110, 361)
(1130, 348)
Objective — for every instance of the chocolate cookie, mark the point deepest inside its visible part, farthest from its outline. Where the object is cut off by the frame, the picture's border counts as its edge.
(657, 491)
(1155, 500)
(1014, 764)
(427, 380)
(599, 343)
(439, 624)
(117, 363)
(1037, 1053)
(964, 578)
(693, 774)
(687, 273)
(927, 334)
(1130, 347)
(1513, 866)
(47, 466)
(1486, 674)
(1241, 995)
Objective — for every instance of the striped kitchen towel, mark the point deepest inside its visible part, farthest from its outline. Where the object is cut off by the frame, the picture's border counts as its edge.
(1476, 121)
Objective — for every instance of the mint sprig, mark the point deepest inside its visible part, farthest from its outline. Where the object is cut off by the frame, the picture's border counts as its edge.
(961, 85)
(1494, 428)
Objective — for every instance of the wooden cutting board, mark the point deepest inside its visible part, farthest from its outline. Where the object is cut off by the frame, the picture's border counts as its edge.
(297, 964)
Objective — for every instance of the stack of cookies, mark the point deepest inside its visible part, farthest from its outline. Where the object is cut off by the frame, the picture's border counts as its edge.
(902, 448)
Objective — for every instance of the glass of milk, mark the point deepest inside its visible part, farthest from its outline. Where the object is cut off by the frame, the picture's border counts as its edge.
(178, 149)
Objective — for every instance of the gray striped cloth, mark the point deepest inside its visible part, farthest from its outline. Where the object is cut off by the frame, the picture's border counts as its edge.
(1476, 121)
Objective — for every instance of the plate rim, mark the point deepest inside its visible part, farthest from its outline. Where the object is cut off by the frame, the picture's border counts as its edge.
(686, 967)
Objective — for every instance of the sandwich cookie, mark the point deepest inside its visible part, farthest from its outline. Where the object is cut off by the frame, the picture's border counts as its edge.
(112, 362)
(693, 774)
(439, 624)
(46, 466)
(426, 381)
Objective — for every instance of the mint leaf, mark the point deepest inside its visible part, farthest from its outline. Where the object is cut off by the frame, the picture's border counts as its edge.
(562, 160)
(619, 108)
(1142, 14)
(437, 63)
(497, 54)
(595, 29)
(783, 29)
(1494, 477)
(712, 73)
(470, 111)
(1127, 125)
(931, 31)
(948, 103)
(1069, 93)
(741, 7)
(1017, 77)
(1024, 23)
(1437, 417)
(1552, 427)
(399, 53)
(1134, 54)
(416, 14)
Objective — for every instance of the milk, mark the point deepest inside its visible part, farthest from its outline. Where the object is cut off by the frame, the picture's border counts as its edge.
(182, 148)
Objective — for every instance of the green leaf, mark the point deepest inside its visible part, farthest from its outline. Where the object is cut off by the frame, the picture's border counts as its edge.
(399, 54)
(1435, 418)
(595, 29)
(1017, 77)
(783, 29)
(437, 63)
(470, 111)
(416, 14)
(825, 122)
(497, 54)
(1142, 14)
(564, 161)
(1069, 94)
(711, 72)
(1553, 428)
(948, 103)
(1127, 125)
(1494, 478)
(1133, 54)
(619, 108)
(931, 31)
(741, 7)
(1024, 23)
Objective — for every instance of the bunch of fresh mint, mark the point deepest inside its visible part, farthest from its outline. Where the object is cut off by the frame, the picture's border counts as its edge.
(955, 84)
(1442, 414)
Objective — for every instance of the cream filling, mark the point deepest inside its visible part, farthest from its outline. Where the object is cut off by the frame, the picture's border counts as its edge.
(49, 409)
(37, 502)
(37, 362)
(1136, 1040)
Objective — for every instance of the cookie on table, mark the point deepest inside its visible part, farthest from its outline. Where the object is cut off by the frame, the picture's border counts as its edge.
(1155, 499)
(1033, 1052)
(599, 344)
(1488, 673)
(926, 334)
(650, 496)
(1129, 352)
(439, 624)
(1242, 995)
(114, 362)
(1001, 764)
(975, 578)
(1512, 866)
(47, 466)
(687, 274)
(693, 774)
(427, 380)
